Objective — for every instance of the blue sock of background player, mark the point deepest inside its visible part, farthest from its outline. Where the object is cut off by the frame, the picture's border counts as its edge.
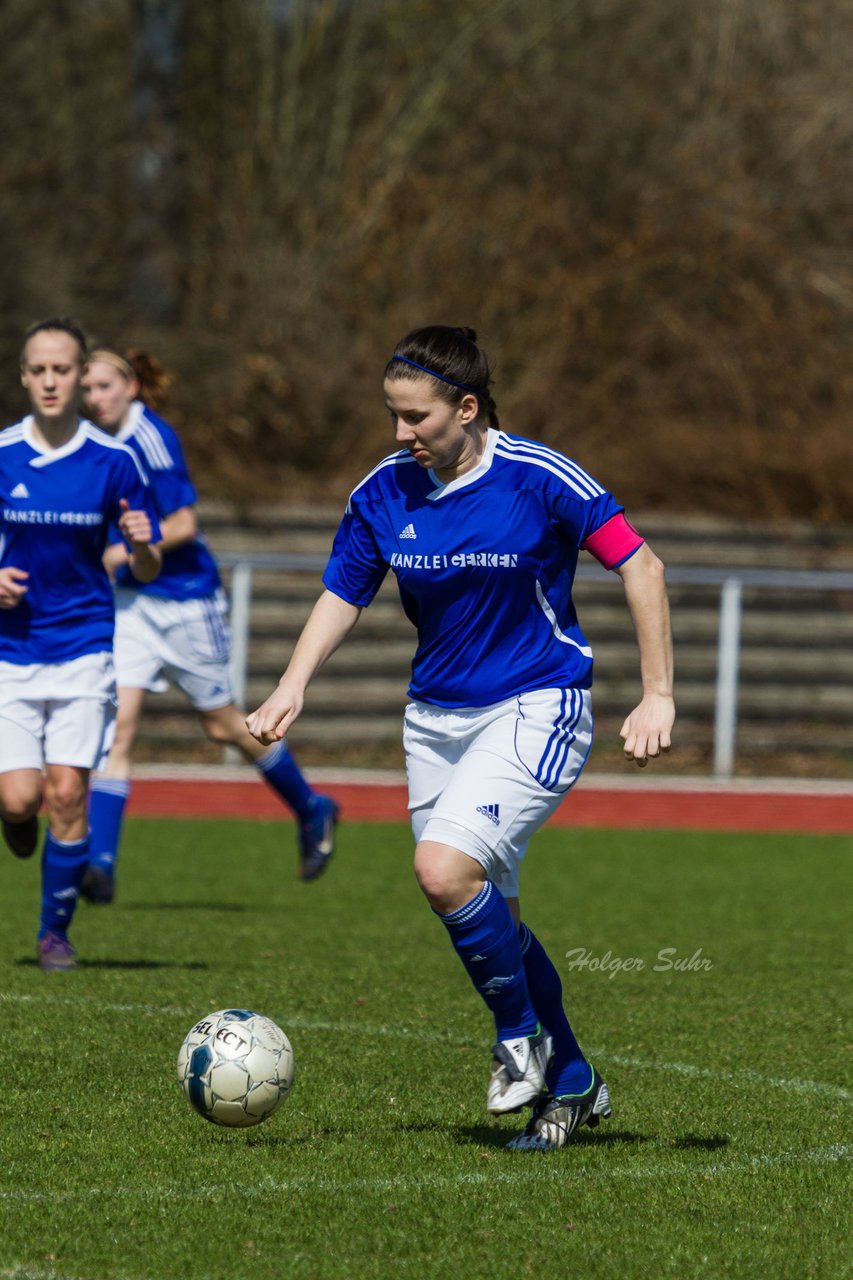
(568, 1072)
(62, 867)
(486, 940)
(108, 799)
(287, 779)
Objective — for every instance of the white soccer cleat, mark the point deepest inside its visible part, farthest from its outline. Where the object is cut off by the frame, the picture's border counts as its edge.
(554, 1120)
(518, 1072)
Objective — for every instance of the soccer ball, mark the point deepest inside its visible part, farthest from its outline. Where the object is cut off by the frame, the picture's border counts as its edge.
(235, 1067)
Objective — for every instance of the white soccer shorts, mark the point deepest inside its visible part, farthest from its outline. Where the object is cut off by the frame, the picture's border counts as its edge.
(483, 780)
(57, 713)
(187, 641)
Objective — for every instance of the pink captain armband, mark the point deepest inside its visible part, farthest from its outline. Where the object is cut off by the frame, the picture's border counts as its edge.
(614, 542)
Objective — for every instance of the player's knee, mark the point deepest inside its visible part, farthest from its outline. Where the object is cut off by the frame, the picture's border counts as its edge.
(19, 803)
(447, 878)
(217, 729)
(65, 800)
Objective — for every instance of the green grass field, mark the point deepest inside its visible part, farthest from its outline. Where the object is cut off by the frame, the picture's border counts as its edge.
(727, 1154)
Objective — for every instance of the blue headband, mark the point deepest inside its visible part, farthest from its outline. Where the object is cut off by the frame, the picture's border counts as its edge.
(464, 386)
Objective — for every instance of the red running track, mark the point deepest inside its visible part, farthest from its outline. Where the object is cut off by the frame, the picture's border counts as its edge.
(588, 806)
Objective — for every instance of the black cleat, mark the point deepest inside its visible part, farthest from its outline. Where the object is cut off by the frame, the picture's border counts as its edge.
(22, 837)
(317, 837)
(554, 1120)
(97, 885)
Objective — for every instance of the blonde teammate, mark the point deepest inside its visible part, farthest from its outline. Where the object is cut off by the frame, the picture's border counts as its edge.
(176, 627)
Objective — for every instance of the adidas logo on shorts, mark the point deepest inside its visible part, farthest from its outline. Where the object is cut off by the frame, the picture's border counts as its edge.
(491, 811)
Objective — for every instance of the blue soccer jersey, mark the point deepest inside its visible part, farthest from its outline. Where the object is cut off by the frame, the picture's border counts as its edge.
(56, 508)
(189, 572)
(484, 566)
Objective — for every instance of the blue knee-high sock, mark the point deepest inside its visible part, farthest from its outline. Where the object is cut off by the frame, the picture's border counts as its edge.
(62, 868)
(287, 779)
(568, 1072)
(486, 941)
(107, 800)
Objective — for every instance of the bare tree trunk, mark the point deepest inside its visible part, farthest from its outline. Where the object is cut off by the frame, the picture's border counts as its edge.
(156, 222)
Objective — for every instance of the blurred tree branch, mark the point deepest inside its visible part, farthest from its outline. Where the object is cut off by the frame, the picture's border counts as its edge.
(644, 210)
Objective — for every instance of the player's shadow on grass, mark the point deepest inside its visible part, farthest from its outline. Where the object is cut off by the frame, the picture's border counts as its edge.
(693, 1142)
(123, 964)
(486, 1136)
(190, 906)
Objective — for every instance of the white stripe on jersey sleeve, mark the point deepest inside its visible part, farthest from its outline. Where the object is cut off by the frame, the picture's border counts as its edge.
(530, 451)
(12, 435)
(107, 442)
(546, 466)
(153, 445)
(402, 456)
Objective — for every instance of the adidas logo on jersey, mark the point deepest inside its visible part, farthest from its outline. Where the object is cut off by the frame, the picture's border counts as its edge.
(409, 532)
(491, 811)
(20, 491)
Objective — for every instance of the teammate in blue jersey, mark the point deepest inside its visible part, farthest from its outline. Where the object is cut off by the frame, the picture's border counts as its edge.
(177, 626)
(483, 530)
(63, 484)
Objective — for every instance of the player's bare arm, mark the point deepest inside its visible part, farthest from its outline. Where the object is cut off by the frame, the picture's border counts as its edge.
(329, 624)
(114, 557)
(144, 558)
(13, 587)
(178, 528)
(647, 731)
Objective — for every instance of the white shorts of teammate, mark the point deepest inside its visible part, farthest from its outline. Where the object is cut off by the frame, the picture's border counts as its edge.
(483, 780)
(188, 641)
(57, 713)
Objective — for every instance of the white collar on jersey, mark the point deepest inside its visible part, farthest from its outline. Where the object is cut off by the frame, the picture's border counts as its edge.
(470, 476)
(47, 456)
(134, 418)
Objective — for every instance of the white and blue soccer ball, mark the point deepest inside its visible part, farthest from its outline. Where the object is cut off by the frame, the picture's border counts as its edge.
(235, 1067)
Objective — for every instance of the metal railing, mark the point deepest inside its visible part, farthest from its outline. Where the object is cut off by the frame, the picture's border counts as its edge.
(730, 583)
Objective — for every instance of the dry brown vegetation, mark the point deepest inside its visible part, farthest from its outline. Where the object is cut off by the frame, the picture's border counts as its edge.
(645, 210)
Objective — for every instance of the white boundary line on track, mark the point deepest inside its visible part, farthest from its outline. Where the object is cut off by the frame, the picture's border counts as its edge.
(740, 1075)
(702, 784)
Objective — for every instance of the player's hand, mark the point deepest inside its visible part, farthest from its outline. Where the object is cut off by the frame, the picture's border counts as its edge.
(271, 721)
(135, 526)
(648, 729)
(13, 587)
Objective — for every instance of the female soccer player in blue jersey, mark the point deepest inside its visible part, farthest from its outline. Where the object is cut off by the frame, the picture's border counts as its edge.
(483, 530)
(63, 484)
(176, 626)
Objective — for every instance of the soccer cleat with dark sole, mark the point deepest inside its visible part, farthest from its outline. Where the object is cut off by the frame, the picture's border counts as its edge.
(554, 1120)
(518, 1072)
(22, 837)
(317, 837)
(97, 885)
(55, 954)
